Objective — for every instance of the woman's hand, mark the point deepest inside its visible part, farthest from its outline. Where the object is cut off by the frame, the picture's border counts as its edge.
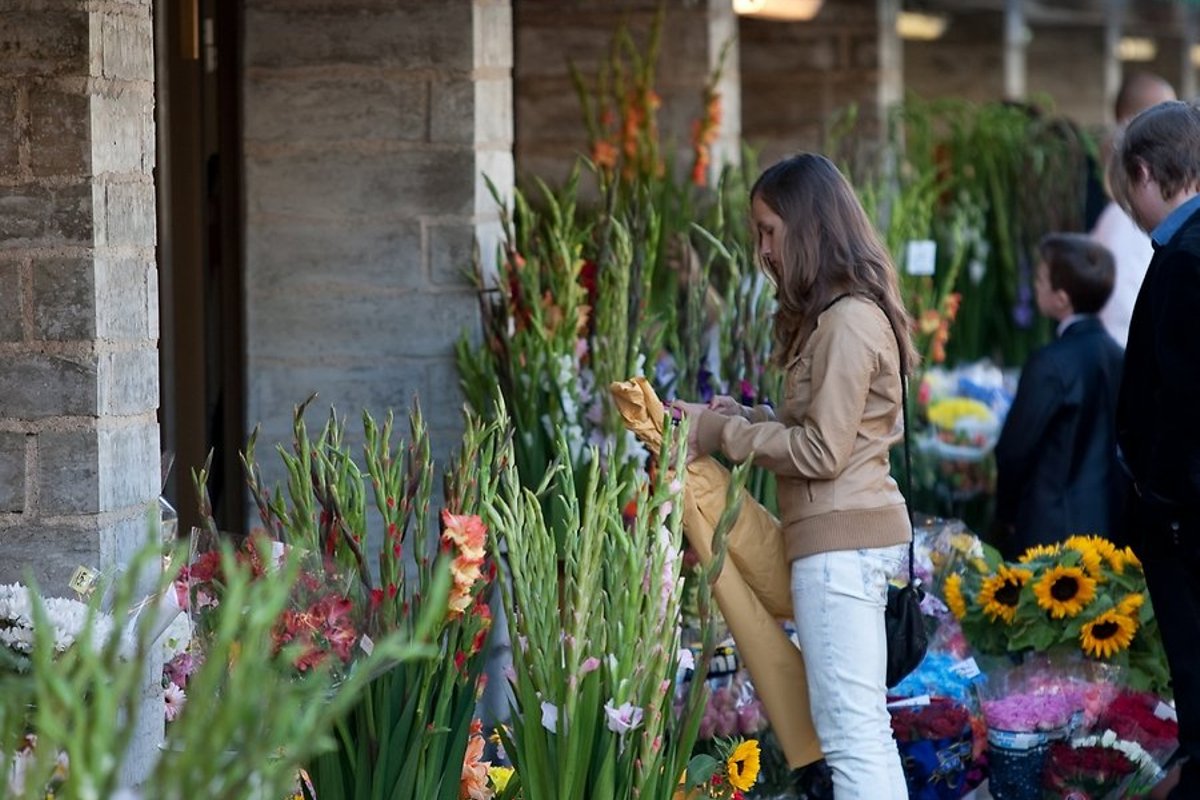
(725, 405)
(692, 411)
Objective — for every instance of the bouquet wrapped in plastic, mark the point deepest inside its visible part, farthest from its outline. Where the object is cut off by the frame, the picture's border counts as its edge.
(934, 736)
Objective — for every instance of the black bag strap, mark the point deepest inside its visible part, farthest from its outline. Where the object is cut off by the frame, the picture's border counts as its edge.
(908, 493)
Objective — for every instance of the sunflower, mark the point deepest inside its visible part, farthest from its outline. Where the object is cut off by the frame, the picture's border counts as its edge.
(742, 765)
(1130, 557)
(954, 595)
(1001, 592)
(1089, 555)
(1064, 591)
(1040, 551)
(1130, 604)
(1107, 634)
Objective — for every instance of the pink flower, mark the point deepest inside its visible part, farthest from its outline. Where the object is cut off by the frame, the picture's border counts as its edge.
(624, 718)
(174, 699)
(590, 664)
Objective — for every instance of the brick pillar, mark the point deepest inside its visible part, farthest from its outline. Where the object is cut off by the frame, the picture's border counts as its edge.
(551, 36)
(79, 451)
(368, 128)
(79, 448)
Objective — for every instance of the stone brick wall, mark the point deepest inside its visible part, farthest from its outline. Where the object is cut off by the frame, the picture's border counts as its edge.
(79, 447)
(368, 127)
(79, 451)
(550, 130)
(798, 76)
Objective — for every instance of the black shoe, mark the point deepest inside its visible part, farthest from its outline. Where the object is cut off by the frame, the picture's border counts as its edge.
(813, 782)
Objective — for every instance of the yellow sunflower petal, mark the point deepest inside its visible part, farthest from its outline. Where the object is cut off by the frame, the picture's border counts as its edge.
(1039, 551)
(1131, 603)
(1089, 556)
(1000, 593)
(743, 765)
(1064, 591)
(1107, 634)
(954, 595)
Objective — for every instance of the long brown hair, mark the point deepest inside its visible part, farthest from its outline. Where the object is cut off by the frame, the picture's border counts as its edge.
(829, 248)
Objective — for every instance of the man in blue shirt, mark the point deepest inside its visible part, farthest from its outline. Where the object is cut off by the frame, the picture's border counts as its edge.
(1155, 176)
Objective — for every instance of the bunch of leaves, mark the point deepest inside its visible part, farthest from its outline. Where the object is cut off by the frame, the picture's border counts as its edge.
(1084, 596)
(593, 674)
(259, 723)
(407, 733)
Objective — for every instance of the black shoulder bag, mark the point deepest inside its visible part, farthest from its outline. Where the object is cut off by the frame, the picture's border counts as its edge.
(907, 639)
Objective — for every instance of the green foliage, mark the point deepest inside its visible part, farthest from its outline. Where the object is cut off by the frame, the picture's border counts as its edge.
(252, 721)
(611, 642)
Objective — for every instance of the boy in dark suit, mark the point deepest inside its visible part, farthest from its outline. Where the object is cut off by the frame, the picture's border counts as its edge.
(1155, 176)
(1057, 471)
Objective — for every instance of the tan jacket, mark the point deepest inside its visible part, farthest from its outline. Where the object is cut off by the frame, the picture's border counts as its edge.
(829, 444)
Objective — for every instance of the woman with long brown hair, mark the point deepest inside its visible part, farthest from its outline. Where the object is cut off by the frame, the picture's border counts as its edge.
(842, 337)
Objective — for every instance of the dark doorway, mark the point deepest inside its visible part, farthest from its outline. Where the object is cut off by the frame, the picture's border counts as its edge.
(202, 362)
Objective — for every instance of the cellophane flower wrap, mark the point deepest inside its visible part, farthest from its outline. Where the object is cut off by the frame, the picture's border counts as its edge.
(1084, 596)
(935, 740)
(408, 734)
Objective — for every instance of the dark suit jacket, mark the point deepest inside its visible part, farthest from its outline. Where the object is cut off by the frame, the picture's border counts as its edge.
(1057, 469)
(1157, 417)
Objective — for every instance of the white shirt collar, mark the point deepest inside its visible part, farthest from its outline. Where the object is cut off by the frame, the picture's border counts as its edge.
(1068, 322)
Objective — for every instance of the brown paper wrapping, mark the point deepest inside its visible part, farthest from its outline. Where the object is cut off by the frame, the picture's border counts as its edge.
(754, 588)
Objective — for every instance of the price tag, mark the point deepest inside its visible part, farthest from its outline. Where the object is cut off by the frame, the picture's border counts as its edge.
(1164, 711)
(920, 257)
(83, 582)
(967, 669)
(366, 644)
(919, 700)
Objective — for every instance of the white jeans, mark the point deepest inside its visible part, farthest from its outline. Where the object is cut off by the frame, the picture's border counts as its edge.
(839, 599)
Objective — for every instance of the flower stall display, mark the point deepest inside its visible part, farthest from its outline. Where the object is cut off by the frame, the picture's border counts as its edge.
(593, 676)
(1083, 596)
(727, 774)
(65, 718)
(408, 733)
(935, 739)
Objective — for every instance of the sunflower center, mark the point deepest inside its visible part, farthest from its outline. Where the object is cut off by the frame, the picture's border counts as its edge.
(1105, 630)
(1065, 588)
(1008, 594)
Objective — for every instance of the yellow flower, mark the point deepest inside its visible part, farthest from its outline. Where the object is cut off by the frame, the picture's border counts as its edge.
(1089, 555)
(1130, 557)
(742, 765)
(1064, 591)
(1039, 551)
(1130, 604)
(947, 413)
(1001, 592)
(954, 596)
(1107, 634)
(500, 776)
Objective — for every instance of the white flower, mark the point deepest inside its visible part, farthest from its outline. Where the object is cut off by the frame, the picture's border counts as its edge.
(623, 718)
(174, 698)
(686, 659)
(550, 717)
(177, 637)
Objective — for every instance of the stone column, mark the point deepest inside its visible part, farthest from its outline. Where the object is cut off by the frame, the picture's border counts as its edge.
(79, 452)
(79, 449)
(369, 127)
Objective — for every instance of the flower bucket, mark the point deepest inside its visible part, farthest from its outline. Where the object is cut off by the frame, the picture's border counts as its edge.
(1015, 762)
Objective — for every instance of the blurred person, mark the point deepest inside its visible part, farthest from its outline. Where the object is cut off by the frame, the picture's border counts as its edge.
(1155, 176)
(1057, 470)
(1114, 229)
